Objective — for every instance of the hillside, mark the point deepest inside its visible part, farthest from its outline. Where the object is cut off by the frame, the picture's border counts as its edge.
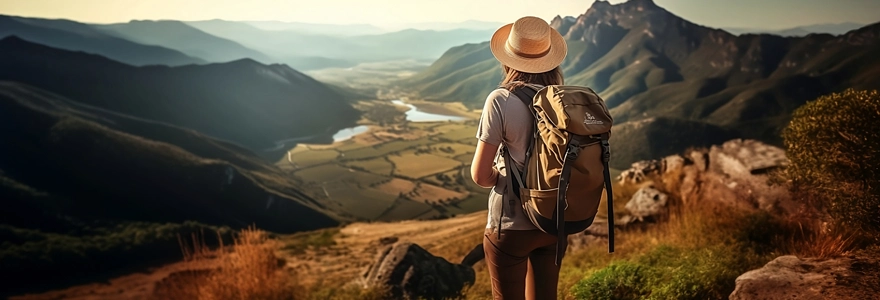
(649, 63)
(184, 38)
(76, 36)
(81, 183)
(243, 101)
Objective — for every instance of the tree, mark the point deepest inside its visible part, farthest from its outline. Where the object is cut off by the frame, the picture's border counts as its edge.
(833, 144)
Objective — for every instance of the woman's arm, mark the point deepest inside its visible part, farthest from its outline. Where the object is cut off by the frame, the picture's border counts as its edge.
(483, 170)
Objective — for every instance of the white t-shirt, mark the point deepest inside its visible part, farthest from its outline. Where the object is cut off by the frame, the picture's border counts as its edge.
(506, 119)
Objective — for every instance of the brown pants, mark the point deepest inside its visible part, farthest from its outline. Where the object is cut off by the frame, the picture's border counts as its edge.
(522, 264)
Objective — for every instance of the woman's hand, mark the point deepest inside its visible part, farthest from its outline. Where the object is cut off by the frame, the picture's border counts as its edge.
(483, 170)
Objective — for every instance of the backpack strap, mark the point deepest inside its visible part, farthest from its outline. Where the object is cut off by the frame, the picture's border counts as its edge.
(609, 195)
(571, 154)
(514, 176)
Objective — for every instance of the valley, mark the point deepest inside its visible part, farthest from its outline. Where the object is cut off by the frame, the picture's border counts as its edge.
(124, 140)
(417, 168)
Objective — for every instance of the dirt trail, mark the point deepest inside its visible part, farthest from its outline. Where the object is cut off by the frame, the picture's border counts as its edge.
(358, 244)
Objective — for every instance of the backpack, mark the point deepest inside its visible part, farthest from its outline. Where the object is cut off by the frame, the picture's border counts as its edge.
(566, 163)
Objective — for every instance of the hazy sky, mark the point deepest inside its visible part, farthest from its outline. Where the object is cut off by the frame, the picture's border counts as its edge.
(767, 14)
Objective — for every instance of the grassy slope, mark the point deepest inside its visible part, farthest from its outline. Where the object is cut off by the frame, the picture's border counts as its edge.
(80, 183)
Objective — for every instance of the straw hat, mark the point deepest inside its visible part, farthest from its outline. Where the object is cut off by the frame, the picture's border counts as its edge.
(529, 45)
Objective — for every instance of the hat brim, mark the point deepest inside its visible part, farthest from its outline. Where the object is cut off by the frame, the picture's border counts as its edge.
(553, 58)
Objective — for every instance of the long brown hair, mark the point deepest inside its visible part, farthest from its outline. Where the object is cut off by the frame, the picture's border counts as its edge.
(515, 78)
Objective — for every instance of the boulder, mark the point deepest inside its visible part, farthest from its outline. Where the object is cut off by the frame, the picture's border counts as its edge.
(742, 158)
(789, 277)
(647, 202)
(637, 172)
(673, 163)
(411, 272)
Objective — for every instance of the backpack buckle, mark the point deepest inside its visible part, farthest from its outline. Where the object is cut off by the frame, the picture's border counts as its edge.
(606, 151)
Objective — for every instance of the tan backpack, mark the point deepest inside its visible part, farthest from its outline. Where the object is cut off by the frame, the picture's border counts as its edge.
(566, 162)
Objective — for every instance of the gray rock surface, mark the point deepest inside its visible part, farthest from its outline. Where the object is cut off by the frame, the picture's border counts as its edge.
(789, 277)
(413, 273)
(647, 202)
(741, 158)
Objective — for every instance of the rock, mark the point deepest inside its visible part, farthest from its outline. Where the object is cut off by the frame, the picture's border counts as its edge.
(700, 159)
(647, 202)
(388, 240)
(789, 277)
(741, 158)
(639, 170)
(475, 255)
(673, 163)
(412, 272)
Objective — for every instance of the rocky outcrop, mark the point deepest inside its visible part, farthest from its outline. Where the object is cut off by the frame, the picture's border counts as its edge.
(789, 277)
(647, 202)
(735, 172)
(411, 272)
(742, 158)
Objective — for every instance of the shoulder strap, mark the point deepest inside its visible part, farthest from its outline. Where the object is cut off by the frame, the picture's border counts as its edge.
(525, 94)
(609, 195)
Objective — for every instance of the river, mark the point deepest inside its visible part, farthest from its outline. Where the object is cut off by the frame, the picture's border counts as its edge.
(412, 115)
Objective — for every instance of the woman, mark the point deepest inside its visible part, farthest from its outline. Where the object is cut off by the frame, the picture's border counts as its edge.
(521, 258)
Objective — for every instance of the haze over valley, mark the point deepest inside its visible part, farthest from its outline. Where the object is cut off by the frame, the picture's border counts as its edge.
(121, 138)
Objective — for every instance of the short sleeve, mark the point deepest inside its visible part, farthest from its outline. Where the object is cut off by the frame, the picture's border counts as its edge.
(490, 129)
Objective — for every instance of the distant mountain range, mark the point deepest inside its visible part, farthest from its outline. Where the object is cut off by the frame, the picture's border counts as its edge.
(302, 46)
(243, 101)
(296, 47)
(469, 24)
(656, 68)
(317, 29)
(184, 38)
(830, 28)
(76, 36)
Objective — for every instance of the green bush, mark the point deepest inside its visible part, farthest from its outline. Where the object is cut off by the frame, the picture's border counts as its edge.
(670, 273)
(833, 144)
(619, 281)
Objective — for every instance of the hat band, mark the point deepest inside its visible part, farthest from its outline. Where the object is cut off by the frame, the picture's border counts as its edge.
(510, 49)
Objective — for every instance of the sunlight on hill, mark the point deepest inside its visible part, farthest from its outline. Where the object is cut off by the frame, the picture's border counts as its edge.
(249, 270)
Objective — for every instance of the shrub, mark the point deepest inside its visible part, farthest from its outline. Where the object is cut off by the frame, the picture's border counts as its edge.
(669, 272)
(620, 280)
(834, 148)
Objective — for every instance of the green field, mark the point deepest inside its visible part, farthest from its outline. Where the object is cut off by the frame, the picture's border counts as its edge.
(422, 178)
(366, 203)
(378, 165)
(310, 158)
(334, 172)
(412, 165)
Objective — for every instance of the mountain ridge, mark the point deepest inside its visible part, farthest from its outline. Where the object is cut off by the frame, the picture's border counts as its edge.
(71, 35)
(242, 101)
(647, 62)
(183, 37)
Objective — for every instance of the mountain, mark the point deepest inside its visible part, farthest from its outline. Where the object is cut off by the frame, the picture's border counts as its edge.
(88, 192)
(830, 28)
(243, 101)
(303, 51)
(184, 38)
(292, 45)
(469, 24)
(649, 63)
(318, 29)
(76, 36)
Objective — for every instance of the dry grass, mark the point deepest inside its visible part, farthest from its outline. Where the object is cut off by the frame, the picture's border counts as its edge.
(250, 270)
